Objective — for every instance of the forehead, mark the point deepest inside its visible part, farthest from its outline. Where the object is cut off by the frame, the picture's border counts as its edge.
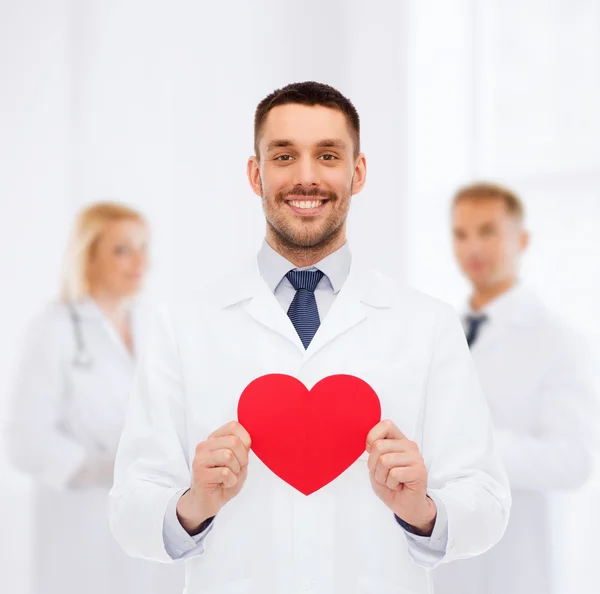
(304, 124)
(470, 210)
(124, 228)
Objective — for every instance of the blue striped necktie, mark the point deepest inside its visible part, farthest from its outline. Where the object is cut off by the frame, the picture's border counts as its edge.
(303, 310)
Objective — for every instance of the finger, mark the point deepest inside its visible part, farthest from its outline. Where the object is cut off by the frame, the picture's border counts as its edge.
(229, 442)
(381, 474)
(242, 434)
(218, 476)
(393, 459)
(393, 483)
(227, 429)
(382, 447)
(400, 476)
(241, 477)
(224, 458)
(233, 428)
(384, 430)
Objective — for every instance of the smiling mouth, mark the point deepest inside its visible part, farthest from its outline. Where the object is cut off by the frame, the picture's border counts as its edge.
(306, 203)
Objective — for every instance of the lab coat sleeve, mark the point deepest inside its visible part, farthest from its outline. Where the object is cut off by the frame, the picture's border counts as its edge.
(427, 551)
(557, 454)
(35, 440)
(464, 469)
(152, 464)
(178, 543)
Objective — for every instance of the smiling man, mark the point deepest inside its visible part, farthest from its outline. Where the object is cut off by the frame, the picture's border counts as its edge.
(428, 488)
(304, 218)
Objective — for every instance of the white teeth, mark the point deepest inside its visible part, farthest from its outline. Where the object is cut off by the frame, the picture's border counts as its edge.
(306, 203)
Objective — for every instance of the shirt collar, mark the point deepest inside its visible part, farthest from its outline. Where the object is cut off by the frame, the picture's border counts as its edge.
(273, 266)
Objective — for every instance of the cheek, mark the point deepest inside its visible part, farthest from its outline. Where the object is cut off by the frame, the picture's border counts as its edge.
(492, 252)
(462, 251)
(114, 272)
(501, 253)
(105, 273)
(275, 179)
(338, 179)
(118, 267)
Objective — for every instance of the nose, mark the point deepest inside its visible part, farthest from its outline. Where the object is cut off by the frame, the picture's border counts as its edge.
(472, 246)
(139, 259)
(306, 172)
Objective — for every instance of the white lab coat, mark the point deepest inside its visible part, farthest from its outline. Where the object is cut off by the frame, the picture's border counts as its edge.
(342, 539)
(533, 371)
(62, 418)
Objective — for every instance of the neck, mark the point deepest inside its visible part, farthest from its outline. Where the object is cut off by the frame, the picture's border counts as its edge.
(113, 307)
(486, 294)
(301, 256)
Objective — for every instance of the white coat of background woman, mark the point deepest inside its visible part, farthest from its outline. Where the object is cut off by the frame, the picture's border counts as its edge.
(69, 405)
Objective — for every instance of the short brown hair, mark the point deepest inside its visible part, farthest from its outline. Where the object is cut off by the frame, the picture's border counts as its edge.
(488, 190)
(308, 93)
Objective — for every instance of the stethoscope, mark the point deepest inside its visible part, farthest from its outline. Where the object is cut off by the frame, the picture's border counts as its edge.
(82, 359)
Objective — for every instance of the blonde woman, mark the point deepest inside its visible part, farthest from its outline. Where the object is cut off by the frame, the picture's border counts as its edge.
(69, 407)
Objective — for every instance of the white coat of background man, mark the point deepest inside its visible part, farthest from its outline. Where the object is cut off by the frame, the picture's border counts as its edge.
(429, 488)
(533, 372)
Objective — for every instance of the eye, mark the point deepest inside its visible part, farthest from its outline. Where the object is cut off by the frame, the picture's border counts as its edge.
(283, 158)
(121, 250)
(328, 157)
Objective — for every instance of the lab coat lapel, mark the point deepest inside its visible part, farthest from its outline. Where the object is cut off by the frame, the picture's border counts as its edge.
(520, 308)
(260, 303)
(266, 310)
(361, 293)
(89, 310)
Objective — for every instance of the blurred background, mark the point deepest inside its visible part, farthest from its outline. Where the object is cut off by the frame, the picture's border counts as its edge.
(151, 103)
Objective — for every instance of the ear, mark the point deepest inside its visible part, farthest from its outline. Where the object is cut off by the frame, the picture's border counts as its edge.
(524, 240)
(360, 174)
(253, 171)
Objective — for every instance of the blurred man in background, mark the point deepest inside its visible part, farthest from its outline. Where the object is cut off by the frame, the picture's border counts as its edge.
(533, 372)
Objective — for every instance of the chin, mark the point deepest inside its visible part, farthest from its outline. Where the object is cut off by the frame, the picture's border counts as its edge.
(307, 242)
(131, 291)
(312, 238)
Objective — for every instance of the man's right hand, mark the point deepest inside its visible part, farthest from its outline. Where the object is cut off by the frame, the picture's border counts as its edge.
(219, 471)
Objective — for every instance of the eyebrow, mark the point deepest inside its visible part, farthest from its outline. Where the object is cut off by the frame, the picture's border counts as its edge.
(279, 144)
(326, 143)
(332, 143)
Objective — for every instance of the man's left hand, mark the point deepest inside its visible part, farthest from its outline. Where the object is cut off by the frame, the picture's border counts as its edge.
(399, 477)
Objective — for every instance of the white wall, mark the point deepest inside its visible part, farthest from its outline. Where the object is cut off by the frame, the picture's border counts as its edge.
(442, 152)
(35, 207)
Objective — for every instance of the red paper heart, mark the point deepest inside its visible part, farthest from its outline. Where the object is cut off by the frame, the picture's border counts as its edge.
(308, 438)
